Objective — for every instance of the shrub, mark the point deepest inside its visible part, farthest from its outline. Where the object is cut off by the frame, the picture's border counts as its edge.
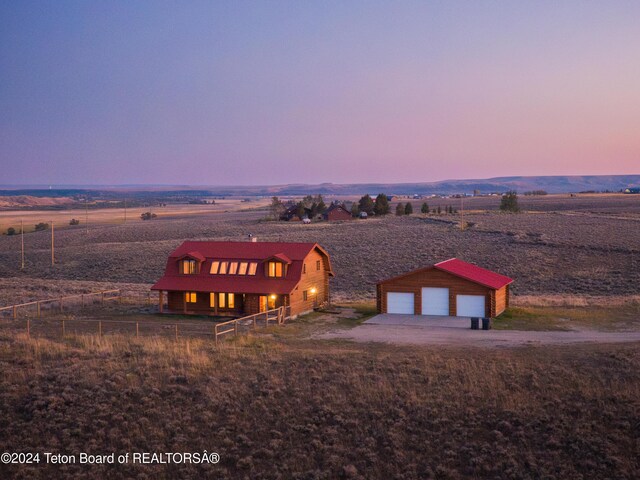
(509, 202)
(408, 209)
(355, 210)
(148, 216)
(366, 204)
(74, 221)
(11, 231)
(381, 206)
(425, 208)
(42, 226)
(399, 209)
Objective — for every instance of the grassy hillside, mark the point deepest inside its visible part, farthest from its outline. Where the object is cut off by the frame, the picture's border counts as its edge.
(291, 408)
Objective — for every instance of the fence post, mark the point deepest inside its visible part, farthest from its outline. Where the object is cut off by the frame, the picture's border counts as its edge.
(15, 312)
(38, 305)
(60, 304)
(235, 328)
(102, 298)
(254, 321)
(100, 328)
(137, 329)
(63, 328)
(176, 331)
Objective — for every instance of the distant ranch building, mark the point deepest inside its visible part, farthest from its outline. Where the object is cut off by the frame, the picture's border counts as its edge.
(242, 278)
(337, 212)
(449, 288)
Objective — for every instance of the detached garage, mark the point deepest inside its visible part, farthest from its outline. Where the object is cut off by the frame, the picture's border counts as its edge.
(449, 288)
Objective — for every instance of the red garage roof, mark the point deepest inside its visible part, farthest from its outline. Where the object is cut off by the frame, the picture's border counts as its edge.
(474, 273)
(465, 270)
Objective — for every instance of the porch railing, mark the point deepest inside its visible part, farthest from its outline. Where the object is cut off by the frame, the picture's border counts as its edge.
(277, 316)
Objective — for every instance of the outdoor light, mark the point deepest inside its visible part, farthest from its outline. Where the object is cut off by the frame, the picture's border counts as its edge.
(273, 297)
(313, 290)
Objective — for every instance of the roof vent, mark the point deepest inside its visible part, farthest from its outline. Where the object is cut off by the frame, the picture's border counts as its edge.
(252, 238)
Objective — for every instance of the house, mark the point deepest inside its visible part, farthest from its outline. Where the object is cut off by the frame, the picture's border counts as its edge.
(337, 212)
(242, 278)
(450, 288)
(632, 190)
(291, 213)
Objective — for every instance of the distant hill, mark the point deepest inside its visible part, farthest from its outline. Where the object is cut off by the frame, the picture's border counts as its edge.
(551, 184)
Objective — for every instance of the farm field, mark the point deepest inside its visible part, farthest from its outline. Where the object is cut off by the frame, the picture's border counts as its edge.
(285, 403)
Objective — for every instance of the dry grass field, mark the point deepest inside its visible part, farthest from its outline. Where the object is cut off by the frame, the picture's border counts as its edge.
(296, 409)
(279, 405)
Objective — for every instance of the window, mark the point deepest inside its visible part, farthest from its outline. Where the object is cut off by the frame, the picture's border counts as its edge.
(190, 297)
(233, 268)
(225, 300)
(214, 267)
(318, 265)
(223, 268)
(242, 270)
(212, 300)
(252, 268)
(271, 302)
(304, 268)
(275, 269)
(305, 296)
(231, 300)
(222, 301)
(189, 267)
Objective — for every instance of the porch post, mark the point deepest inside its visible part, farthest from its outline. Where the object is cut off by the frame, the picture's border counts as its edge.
(160, 300)
(216, 299)
(184, 302)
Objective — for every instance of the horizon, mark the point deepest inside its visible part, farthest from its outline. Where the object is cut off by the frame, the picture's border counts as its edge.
(256, 94)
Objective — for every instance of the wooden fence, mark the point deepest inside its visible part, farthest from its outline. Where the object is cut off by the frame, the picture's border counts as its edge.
(277, 316)
(59, 304)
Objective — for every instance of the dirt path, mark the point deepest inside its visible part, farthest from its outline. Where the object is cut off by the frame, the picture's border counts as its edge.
(417, 335)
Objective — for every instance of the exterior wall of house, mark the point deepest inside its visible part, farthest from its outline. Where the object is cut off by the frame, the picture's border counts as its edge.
(313, 278)
(502, 300)
(202, 306)
(437, 278)
(338, 214)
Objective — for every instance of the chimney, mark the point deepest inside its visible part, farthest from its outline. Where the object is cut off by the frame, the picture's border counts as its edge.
(252, 238)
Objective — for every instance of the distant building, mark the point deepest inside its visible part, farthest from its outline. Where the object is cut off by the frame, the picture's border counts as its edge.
(632, 190)
(337, 212)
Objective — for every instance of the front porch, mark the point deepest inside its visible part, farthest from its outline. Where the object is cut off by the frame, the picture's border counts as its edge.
(219, 304)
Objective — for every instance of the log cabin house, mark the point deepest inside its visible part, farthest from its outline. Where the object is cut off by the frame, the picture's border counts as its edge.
(449, 288)
(337, 212)
(236, 279)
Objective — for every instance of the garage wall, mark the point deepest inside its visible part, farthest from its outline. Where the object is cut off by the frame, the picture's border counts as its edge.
(435, 278)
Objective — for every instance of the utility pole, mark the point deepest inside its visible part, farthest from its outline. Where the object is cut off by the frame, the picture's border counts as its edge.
(53, 258)
(125, 210)
(22, 243)
(462, 212)
(86, 214)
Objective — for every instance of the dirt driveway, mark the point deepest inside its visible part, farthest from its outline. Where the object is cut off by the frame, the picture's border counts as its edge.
(406, 331)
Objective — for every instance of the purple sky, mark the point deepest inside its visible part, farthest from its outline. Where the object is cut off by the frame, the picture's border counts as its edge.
(270, 92)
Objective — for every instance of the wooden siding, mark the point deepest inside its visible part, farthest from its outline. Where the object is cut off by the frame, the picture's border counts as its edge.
(437, 278)
(202, 306)
(318, 279)
(339, 214)
(502, 300)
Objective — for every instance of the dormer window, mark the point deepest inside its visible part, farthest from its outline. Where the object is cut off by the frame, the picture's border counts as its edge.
(188, 266)
(275, 269)
(219, 267)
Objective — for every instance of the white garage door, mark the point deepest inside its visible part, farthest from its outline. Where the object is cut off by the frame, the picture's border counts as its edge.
(400, 303)
(470, 305)
(435, 301)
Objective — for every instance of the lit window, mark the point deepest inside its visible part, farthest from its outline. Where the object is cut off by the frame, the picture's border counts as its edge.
(305, 296)
(214, 267)
(242, 270)
(189, 267)
(271, 302)
(212, 300)
(190, 297)
(275, 269)
(252, 268)
(231, 300)
(223, 268)
(222, 301)
(318, 265)
(233, 268)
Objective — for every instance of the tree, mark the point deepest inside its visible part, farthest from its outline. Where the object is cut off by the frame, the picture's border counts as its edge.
(365, 204)
(355, 211)
(277, 207)
(509, 202)
(399, 209)
(300, 209)
(11, 231)
(425, 208)
(381, 204)
(321, 207)
(408, 209)
(42, 226)
(74, 221)
(148, 216)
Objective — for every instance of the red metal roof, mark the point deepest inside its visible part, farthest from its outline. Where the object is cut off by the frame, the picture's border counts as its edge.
(473, 273)
(256, 252)
(465, 270)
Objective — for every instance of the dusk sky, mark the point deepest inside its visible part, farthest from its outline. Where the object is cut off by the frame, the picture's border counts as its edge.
(270, 92)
